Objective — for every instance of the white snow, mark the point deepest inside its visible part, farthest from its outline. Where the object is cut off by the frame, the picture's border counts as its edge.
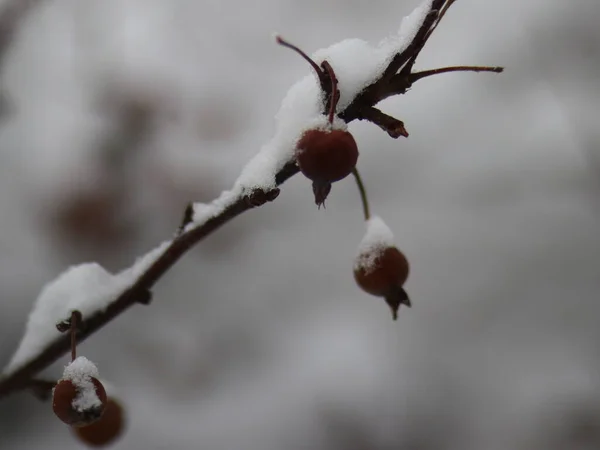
(87, 288)
(205, 211)
(377, 238)
(356, 64)
(80, 373)
(128, 276)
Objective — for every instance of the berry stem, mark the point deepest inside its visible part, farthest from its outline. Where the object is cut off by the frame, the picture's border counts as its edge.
(75, 316)
(363, 193)
(427, 73)
(335, 94)
(315, 66)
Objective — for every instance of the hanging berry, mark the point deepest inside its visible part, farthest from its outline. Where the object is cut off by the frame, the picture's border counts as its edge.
(329, 153)
(381, 269)
(78, 398)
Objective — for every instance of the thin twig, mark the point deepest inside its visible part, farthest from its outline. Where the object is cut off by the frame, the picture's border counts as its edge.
(321, 74)
(415, 76)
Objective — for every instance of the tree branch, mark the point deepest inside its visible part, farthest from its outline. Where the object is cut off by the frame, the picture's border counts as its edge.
(190, 233)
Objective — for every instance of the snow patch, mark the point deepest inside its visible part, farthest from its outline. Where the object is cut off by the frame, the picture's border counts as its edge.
(80, 372)
(377, 238)
(202, 212)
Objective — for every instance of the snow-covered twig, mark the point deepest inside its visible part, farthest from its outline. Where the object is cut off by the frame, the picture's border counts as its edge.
(366, 75)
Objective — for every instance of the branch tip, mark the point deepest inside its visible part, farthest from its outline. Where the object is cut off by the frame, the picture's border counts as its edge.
(313, 64)
(392, 126)
(415, 76)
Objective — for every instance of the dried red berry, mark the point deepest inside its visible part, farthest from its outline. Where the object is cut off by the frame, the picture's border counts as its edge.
(79, 403)
(326, 156)
(384, 276)
(105, 430)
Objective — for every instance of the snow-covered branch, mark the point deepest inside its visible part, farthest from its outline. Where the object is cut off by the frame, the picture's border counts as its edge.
(364, 74)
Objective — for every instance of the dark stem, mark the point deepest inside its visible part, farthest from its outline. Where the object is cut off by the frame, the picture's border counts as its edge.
(74, 325)
(363, 193)
(322, 78)
(335, 94)
(427, 73)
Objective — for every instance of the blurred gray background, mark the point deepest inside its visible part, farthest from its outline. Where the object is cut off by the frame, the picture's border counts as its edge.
(118, 112)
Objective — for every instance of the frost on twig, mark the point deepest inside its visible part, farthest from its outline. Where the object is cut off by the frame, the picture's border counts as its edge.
(366, 75)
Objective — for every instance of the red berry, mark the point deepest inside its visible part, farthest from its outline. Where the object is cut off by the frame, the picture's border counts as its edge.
(75, 405)
(327, 156)
(105, 430)
(388, 268)
(384, 276)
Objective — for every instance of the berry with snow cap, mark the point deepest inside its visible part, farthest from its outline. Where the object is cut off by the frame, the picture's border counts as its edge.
(329, 153)
(78, 398)
(381, 269)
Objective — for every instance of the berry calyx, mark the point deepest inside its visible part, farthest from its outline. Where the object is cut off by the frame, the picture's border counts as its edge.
(325, 155)
(380, 269)
(105, 430)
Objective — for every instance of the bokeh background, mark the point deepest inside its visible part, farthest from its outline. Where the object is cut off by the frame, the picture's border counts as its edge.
(116, 113)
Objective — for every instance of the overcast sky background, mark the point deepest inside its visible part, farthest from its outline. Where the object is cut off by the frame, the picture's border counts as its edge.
(119, 112)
